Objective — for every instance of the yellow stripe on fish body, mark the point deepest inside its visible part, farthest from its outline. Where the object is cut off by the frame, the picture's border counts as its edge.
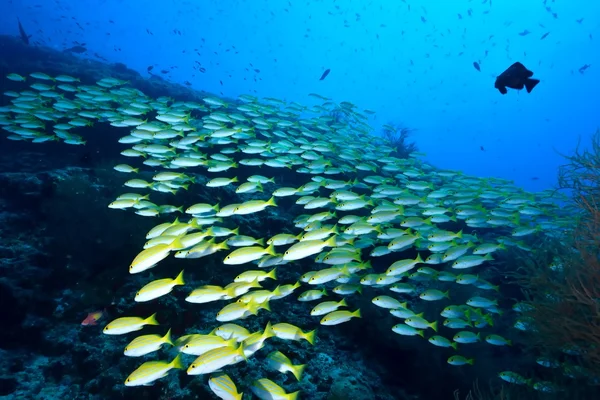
(248, 254)
(249, 276)
(159, 229)
(146, 344)
(216, 359)
(158, 288)
(223, 387)
(200, 344)
(150, 371)
(328, 275)
(252, 206)
(338, 317)
(148, 258)
(236, 289)
(320, 234)
(236, 310)
(267, 389)
(220, 182)
(327, 307)
(228, 331)
(290, 332)
(311, 295)
(282, 291)
(307, 248)
(206, 294)
(124, 325)
(402, 266)
(386, 302)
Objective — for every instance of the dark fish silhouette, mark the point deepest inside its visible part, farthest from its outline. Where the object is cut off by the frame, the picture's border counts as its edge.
(75, 49)
(325, 73)
(516, 77)
(582, 69)
(24, 36)
(476, 65)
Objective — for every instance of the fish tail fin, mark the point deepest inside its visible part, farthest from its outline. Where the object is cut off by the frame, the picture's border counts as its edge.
(151, 320)
(433, 326)
(271, 250)
(179, 280)
(297, 370)
(292, 396)
(240, 351)
(471, 361)
(268, 332)
(176, 363)
(357, 313)
(310, 336)
(167, 338)
(530, 84)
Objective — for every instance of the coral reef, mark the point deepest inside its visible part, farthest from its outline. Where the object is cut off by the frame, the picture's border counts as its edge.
(398, 138)
(561, 284)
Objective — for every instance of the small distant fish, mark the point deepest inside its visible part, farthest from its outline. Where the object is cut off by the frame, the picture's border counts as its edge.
(481, 148)
(524, 33)
(582, 69)
(476, 65)
(92, 318)
(516, 77)
(24, 36)
(325, 73)
(544, 35)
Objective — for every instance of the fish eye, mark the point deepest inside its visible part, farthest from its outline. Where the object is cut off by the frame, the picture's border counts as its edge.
(192, 366)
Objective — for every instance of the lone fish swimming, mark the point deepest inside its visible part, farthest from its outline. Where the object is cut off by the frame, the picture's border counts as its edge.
(516, 77)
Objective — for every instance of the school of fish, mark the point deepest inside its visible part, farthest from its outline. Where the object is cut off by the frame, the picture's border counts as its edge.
(358, 205)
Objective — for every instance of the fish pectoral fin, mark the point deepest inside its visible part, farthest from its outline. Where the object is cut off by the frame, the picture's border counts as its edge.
(530, 84)
(502, 89)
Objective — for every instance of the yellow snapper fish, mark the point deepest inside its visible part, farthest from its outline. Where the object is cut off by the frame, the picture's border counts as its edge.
(339, 317)
(215, 359)
(158, 288)
(223, 387)
(327, 307)
(253, 206)
(197, 345)
(146, 344)
(291, 332)
(228, 331)
(123, 325)
(207, 294)
(248, 254)
(278, 361)
(307, 248)
(249, 276)
(148, 258)
(266, 389)
(150, 371)
(234, 311)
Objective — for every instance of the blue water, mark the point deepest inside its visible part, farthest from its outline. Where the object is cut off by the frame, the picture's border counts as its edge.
(410, 61)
